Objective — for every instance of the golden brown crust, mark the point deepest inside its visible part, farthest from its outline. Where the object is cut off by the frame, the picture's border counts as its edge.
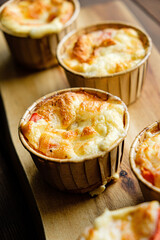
(88, 132)
(85, 47)
(60, 105)
(103, 52)
(23, 16)
(51, 147)
(132, 223)
(71, 124)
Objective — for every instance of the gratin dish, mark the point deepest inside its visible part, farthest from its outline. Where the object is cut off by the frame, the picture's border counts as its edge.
(125, 84)
(136, 222)
(149, 190)
(87, 173)
(37, 51)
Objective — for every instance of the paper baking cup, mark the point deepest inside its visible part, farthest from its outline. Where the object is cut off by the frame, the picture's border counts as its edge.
(126, 84)
(149, 191)
(38, 53)
(82, 175)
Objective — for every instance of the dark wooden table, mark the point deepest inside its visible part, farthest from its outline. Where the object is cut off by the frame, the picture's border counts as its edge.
(19, 217)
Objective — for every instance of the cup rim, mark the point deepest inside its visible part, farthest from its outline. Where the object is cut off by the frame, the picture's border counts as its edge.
(100, 24)
(132, 156)
(69, 22)
(72, 160)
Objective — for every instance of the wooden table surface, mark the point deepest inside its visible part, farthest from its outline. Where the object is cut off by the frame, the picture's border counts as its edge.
(15, 212)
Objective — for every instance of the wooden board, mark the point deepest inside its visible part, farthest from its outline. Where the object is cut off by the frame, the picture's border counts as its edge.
(151, 8)
(64, 216)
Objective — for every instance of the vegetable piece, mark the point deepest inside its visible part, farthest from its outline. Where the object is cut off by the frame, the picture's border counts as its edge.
(157, 233)
(35, 117)
(148, 175)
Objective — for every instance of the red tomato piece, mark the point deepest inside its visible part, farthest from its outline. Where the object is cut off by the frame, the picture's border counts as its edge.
(35, 117)
(148, 175)
(157, 233)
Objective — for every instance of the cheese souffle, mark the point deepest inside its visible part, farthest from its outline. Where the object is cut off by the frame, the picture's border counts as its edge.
(131, 223)
(145, 160)
(80, 129)
(148, 159)
(36, 18)
(75, 125)
(105, 52)
(111, 56)
(33, 29)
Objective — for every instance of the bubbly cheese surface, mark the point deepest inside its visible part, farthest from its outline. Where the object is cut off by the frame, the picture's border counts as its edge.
(132, 223)
(36, 18)
(75, 125)
(105, 52)
(148, 158)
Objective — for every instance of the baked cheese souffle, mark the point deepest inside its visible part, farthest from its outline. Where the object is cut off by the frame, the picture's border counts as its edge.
(141, 222)
(105, 52)
(36, 18)
(147, 158)
(75, 125)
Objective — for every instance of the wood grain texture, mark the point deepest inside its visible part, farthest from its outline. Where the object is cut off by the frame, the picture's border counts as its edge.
(148, 22)
(66, 215)
(151, 7)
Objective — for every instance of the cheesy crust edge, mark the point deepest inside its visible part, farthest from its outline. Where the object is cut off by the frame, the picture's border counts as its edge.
(75, 125)
(36, 18)
(130, 223)
(104, 52)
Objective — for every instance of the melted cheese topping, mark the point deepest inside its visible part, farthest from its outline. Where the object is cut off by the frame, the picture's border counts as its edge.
(132, 223)
(75, 125)
(105, 52)
(36, 18)
(148, 158)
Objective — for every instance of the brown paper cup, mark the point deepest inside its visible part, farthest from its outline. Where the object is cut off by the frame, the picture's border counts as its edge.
(84, 175)
(149, 191)
(38, 53)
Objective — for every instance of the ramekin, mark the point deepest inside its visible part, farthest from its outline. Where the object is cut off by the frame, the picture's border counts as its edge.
(126, 84)
(86, 174)
(149, 191)
(38, 53)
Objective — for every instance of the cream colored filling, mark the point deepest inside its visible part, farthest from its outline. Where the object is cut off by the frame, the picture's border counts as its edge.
(132, 223)
(15, 20)
(127, 52)
(105, 128)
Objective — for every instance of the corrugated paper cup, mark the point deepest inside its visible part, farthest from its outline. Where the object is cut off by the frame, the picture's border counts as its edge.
(38, 53)
(126, 84)
(150, 192)
(83, 175)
